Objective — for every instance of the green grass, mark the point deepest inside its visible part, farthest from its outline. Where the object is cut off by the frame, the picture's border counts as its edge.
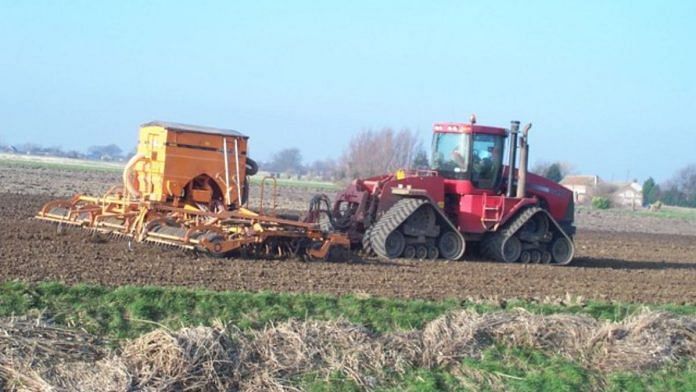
(291, 183)
(58, 163)
(670, 212)
(520, 369)
(666, 212)
(128, 311)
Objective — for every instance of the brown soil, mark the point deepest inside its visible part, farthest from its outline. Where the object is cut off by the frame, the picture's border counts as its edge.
(652, 268)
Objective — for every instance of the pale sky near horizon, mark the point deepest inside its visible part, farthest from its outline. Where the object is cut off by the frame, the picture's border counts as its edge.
(609, 85)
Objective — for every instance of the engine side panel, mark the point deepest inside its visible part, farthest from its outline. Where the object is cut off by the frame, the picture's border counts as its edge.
(556, 199)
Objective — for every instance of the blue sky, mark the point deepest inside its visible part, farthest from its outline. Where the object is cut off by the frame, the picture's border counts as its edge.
(609, 86)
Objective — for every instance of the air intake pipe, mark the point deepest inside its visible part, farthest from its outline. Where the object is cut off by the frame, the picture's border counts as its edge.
(514, 130)
(524, 160)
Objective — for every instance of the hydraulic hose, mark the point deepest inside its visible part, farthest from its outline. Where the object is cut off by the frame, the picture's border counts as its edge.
(128, 186)
(318, 205)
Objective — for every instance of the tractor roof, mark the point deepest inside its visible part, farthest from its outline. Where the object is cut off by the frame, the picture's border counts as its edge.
(171, 126)
(454, 127)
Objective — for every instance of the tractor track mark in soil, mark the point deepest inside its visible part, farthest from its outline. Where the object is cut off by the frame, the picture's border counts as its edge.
(652, 268)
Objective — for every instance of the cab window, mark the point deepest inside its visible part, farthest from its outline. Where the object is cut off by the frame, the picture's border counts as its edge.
(451, 154)
(487, 159)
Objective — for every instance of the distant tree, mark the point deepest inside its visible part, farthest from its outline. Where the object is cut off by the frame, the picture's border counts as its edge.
(681, 189)
(74, 154)
(651, 191)
(53, 151)
(288, 161)
(108, 152)
(605, 190)
(29, 148)
(371, 152)
(671, 195)
(324, 169)
(554, 171)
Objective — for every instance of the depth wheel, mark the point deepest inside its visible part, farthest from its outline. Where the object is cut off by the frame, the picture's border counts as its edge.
(395, 244)
(216, 240)
(450, 245)
(512, 249)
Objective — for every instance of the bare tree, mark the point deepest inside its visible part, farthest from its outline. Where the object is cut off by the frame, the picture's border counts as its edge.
(605, 189)
(681, 188)
(288, 160)
(371, 152)
(552, 170)
(326, 169)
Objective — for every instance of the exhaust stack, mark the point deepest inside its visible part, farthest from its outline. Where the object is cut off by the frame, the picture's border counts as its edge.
(514, 130)
(524, 159)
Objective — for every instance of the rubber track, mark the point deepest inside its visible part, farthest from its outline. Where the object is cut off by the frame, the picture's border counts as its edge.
(390, 221)
(393, 218)
(367, 242)
(493, 247)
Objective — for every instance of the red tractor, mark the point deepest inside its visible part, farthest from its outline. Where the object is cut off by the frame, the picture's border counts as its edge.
(467, 198)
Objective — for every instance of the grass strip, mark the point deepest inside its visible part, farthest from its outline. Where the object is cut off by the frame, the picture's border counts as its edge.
(129, 311)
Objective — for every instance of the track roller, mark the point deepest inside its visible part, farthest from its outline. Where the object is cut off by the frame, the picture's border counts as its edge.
(410, 252)
(421, 252)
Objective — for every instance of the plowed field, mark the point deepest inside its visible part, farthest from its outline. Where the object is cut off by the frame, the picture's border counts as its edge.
(652, 268)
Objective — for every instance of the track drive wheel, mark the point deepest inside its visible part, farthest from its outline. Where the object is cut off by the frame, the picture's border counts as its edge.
(561, 250)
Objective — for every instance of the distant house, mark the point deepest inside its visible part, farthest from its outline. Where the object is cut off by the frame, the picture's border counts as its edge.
(628, 194)
(583, 187)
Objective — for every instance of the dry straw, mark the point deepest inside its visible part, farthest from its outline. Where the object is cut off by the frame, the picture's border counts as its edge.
(284, 351)
(36, 356)
(192, 359)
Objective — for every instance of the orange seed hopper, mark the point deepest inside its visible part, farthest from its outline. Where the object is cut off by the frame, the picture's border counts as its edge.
(199, 165)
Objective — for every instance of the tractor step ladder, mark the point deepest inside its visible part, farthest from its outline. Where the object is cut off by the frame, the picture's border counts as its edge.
(492, 212)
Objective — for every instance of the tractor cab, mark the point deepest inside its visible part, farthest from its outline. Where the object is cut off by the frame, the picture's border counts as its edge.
(466, 151)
